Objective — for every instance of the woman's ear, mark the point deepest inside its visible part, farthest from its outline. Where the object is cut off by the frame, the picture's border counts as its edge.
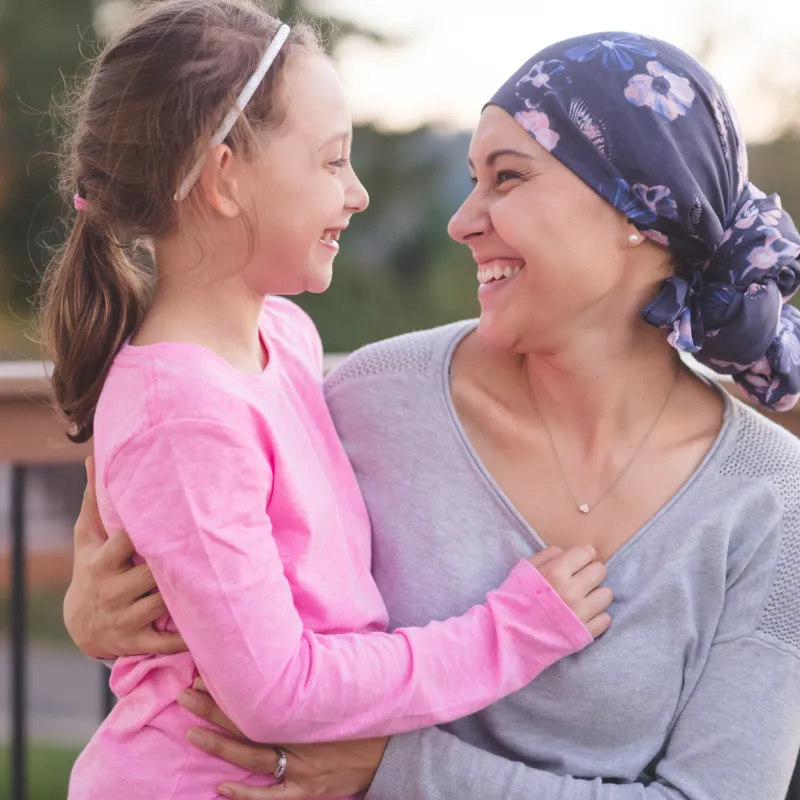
(219, 181)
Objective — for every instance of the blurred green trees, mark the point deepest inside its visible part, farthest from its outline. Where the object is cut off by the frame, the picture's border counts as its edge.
(384, 281)
(39, 42)
(397, 271)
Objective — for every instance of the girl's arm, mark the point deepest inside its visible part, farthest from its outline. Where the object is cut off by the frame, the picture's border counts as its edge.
(192, 495)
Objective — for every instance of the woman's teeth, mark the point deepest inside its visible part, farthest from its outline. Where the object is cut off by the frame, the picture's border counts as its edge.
(498, 270)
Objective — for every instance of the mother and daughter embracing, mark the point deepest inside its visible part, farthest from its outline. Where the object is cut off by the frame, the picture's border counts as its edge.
(393, 581)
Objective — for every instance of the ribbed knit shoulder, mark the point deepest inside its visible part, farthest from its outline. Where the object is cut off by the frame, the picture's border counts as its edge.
(766, 451)
(418, 352)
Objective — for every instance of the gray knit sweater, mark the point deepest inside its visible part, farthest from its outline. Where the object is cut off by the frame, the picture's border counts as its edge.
(694, 692)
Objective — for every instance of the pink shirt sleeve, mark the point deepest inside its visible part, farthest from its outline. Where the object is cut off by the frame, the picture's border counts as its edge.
(192, 495)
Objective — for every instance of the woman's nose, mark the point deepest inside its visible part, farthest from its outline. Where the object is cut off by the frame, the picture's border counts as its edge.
(468, 222)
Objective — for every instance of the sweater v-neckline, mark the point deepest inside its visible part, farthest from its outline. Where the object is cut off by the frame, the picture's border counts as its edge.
(460, 433)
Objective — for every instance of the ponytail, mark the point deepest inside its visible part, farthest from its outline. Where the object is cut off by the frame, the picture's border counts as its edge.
(137, 123)
(94, 296)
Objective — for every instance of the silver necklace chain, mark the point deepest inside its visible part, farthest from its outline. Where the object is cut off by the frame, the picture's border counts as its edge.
(585, 508)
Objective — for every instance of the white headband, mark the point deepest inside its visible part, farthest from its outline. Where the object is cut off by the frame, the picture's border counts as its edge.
(238, 107)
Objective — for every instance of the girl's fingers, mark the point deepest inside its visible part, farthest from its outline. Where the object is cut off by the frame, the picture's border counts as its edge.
(599, 624)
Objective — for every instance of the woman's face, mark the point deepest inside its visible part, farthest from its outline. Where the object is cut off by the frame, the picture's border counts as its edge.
(553, 257)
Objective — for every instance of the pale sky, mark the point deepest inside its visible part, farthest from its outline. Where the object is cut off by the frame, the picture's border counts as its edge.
(459, 51)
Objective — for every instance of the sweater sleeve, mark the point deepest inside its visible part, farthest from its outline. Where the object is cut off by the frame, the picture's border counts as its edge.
(736, 738)
(192, 495)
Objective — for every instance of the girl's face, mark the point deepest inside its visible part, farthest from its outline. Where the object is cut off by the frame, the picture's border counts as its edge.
(301, 191)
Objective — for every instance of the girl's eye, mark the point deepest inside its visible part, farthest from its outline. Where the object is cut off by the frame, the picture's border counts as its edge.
(339, 163)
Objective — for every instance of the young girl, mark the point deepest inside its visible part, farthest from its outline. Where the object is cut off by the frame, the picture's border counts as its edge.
(213, 143)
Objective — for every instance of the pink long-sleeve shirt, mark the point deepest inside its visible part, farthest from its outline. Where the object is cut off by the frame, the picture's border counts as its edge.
(237, 493)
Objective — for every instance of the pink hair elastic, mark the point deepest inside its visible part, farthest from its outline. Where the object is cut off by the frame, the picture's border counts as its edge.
(79, 202)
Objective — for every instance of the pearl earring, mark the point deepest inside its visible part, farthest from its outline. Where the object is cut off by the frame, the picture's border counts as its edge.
(634, 238)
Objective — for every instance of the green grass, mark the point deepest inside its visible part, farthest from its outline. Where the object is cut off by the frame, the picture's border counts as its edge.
(48, 772)
(45, 620)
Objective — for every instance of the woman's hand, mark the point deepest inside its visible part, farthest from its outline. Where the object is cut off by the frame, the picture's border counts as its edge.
(331, 770)
(108, 608)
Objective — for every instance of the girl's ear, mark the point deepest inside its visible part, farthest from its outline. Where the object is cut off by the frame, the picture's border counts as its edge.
(219, 181)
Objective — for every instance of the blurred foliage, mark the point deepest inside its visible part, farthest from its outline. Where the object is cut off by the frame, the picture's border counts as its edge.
(39, 43)
(48, 770)
(397, 271)
(332, 29)
(384, 281)
(44, 619)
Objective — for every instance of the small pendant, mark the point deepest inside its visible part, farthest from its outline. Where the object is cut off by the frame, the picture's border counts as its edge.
(584, 509)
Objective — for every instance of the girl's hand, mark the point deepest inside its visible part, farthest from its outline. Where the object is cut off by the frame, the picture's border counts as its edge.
(331, 770)
(108, 608)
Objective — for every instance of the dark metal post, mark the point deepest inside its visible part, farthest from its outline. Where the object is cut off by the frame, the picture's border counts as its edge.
(794, 789)
(107, 695)
(19, 782)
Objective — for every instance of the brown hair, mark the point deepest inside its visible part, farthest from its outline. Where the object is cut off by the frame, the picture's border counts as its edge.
(144, 115)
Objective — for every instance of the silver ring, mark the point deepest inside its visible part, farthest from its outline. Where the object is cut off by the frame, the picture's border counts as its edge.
(280, 770)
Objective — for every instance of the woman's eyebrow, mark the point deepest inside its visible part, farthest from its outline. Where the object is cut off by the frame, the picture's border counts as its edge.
(495, 154)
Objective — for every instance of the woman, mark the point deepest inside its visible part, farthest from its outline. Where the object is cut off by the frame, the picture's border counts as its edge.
(611, 203)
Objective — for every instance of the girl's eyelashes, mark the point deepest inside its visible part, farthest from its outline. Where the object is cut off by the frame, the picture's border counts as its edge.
(339, 163)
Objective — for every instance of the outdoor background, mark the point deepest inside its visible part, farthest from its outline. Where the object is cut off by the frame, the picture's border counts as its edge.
(417, 73)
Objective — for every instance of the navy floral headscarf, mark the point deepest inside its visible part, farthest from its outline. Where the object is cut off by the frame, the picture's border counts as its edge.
(646, 127)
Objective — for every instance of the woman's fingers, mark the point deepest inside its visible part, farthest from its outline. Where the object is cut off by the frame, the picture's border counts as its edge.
(115, 554)
(89, 527)
(145, 611)
(286, 791)
(158, 643)
(260, 759)
(133, 584)
(203, 705)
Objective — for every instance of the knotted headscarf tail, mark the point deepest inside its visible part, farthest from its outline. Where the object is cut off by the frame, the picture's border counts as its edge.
(645, 126)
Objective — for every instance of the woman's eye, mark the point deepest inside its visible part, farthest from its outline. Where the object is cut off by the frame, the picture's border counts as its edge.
(506, 175)
(502, 177)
